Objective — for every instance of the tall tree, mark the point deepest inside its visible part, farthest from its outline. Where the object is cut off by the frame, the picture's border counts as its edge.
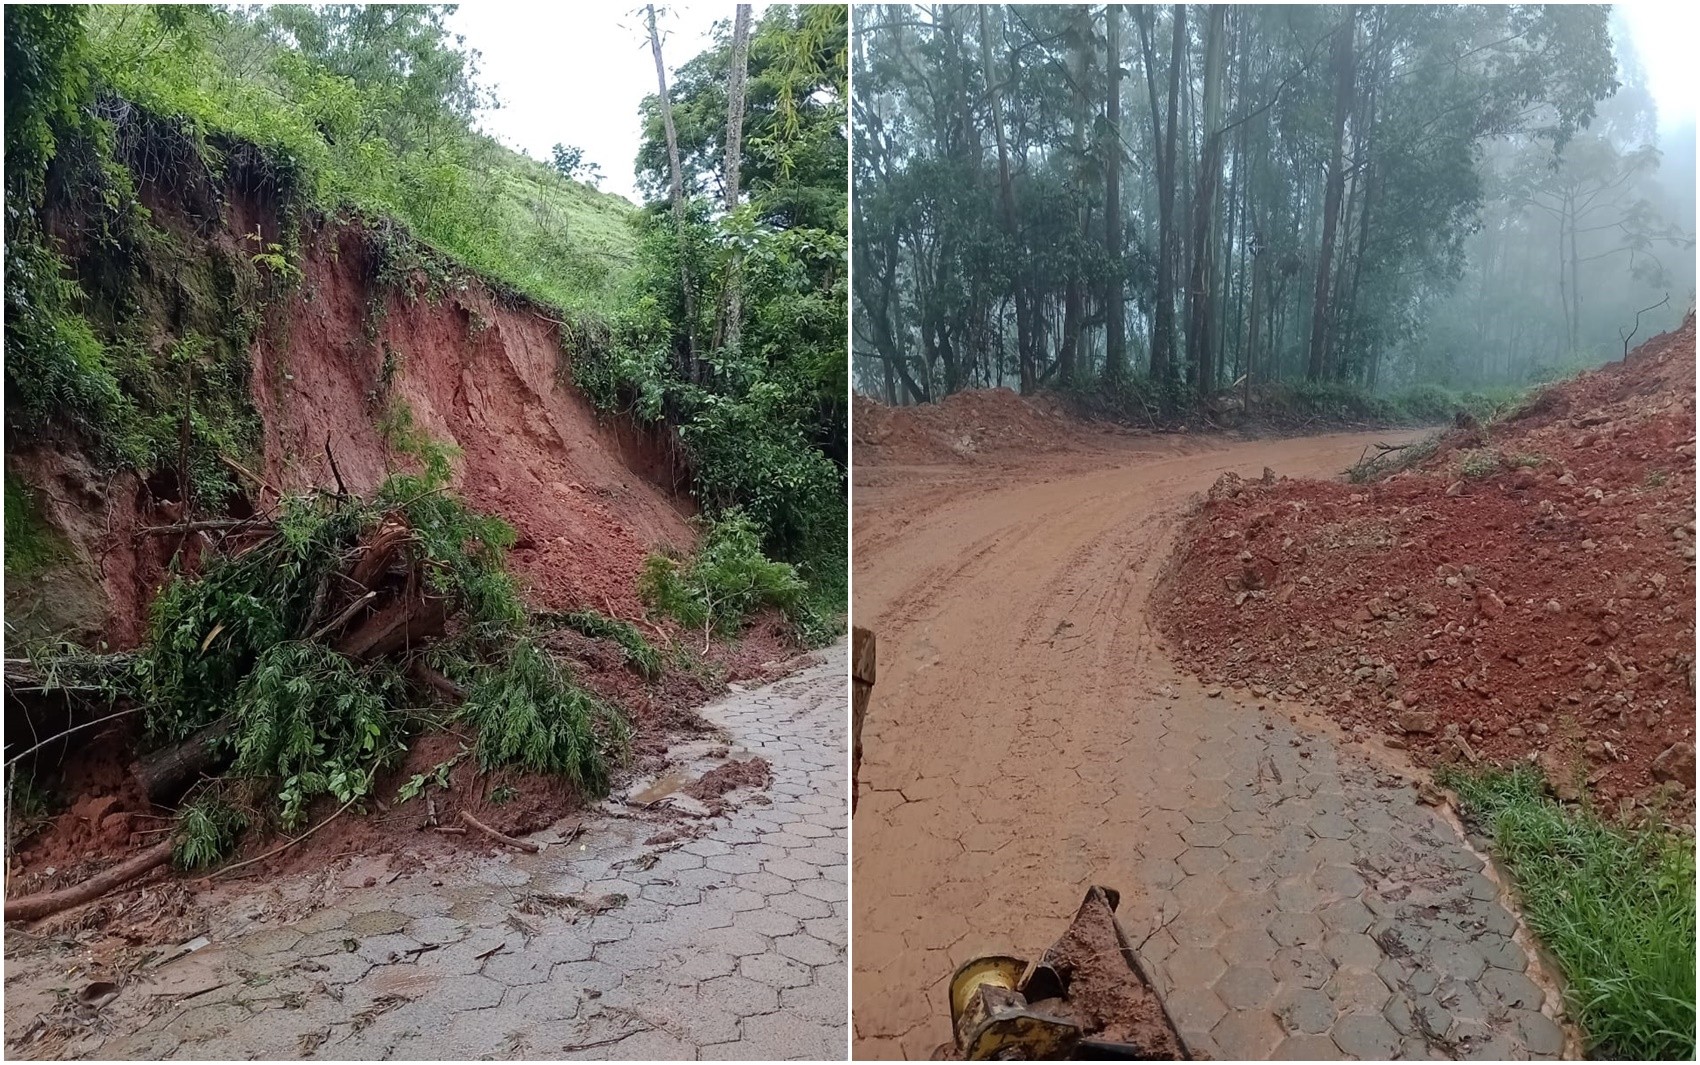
(1115, 310)
(732, 311)
(1201, 286)
(691, 368)
(1006, 194)
(1343, 67)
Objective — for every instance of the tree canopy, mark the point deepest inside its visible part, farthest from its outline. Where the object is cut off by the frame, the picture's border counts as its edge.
(1173, 200)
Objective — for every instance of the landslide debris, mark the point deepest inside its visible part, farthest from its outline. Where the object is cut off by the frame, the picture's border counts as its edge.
(964, 427)
(1519, 591)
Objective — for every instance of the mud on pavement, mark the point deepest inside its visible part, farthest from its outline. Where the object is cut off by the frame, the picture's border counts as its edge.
(1029, 736)
(663, 926)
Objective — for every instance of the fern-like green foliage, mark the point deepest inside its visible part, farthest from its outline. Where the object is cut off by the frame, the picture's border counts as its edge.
(206, 832)
(724, 583)
(530, 714)
(315, 722)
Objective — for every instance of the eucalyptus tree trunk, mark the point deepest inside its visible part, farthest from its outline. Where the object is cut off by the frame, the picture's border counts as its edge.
(1068, 353)
(691, 370)
(1115, 311)
(1023, 309)
(1201, 286)
(1343, 68)
(732, 312)
(1163, 317)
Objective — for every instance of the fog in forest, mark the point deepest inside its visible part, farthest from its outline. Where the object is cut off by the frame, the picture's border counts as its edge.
(1170, 202)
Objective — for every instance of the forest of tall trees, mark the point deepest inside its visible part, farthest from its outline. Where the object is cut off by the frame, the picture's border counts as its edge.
(1170, 201)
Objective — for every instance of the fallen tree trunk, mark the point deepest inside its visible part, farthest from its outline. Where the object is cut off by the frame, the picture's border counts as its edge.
(164, 774)
(402, 624)
(33, 907)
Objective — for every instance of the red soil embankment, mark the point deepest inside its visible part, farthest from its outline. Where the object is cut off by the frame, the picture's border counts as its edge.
(1524, 593)
(590, 497)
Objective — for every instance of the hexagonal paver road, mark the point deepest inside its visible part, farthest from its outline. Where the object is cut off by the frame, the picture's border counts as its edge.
(731, 946)
(1029, 736)
(1290, 901)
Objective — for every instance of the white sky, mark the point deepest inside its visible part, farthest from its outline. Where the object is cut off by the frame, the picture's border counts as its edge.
(1663, 34)
(575, 73)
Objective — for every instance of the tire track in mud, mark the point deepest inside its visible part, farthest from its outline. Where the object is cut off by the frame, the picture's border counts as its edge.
(1028, 737)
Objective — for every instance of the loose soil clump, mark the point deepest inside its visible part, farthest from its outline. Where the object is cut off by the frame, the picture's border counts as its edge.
(1520, 591)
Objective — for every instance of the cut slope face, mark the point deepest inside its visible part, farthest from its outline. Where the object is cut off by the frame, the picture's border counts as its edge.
(346, 364)
(590, 497)
(1524, 593)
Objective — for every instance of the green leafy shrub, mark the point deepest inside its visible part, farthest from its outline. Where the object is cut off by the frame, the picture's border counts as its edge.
(530, 714)
(317, 723)
(724, 583)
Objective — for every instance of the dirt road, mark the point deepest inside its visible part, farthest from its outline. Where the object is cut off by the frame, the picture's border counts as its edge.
(1028, 737)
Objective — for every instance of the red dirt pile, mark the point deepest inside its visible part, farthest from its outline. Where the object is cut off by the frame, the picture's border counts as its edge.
(964, 428)
(1525, 592)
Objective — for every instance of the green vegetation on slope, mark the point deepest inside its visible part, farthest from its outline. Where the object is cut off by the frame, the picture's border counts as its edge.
(1615, 904)
(135, 338)
(368, 110)
(764, 419)
(373, 105)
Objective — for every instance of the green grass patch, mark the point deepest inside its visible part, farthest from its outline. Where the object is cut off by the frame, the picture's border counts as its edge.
(1615, 904)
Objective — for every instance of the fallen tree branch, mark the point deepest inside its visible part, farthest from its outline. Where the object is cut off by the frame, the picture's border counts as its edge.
(341, 619)
(162, 774)
(508, 841)
(280, 849)
(206, 525)
(32, 907)
(341, 489)
(443, 685)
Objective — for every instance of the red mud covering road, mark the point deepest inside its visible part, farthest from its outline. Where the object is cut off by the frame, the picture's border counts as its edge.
(1526, 592)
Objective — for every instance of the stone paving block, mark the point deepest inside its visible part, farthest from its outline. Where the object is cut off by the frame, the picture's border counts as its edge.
(807, 949)
(1541, 1034)
(1303, 966)
(1247, 1035)
(1511, 989)
(1306, 1047)
(1296, 929)
(1193, 966)
(1246, 986)
(1458, 961)
(1250, 943)
(1195, 1008)
(1303, 1009)
(1367, 1036)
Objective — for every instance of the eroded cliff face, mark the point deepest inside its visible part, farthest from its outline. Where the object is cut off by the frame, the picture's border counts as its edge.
(343, 364)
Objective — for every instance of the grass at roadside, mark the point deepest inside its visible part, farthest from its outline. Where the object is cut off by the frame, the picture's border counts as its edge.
(1614, 904)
